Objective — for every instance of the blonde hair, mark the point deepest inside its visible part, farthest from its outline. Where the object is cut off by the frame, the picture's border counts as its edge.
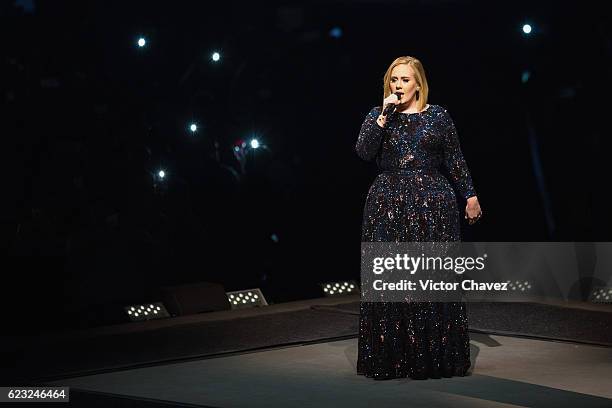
(419, 76)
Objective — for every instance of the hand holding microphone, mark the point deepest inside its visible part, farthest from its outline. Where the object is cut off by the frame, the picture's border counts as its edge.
(389, 104)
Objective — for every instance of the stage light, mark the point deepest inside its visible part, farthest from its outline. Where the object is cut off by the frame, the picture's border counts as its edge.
(525, 76)
(147, 311)
(160, 186)
(601, 294)
(193, 127)
(254, 143)
(526, 28)
(242, 299)
(274, 238)
(340, 288)
(142, 42)
(335, 32)
(216, 56)
(518, 285)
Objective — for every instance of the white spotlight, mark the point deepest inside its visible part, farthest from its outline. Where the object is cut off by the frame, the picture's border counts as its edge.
(246, 298)
(141, 42)
(344, 287)
(193, 127)
(138, 313)
(254, 143)
(161, 174)
(216, 56)
(526, 28)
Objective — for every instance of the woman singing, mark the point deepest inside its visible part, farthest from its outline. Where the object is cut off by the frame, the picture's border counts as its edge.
(412, 201)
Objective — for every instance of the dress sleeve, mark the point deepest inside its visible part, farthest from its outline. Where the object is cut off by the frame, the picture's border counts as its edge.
(370, 136)
(454, 160)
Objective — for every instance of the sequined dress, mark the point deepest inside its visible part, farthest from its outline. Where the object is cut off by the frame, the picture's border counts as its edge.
(412, 200)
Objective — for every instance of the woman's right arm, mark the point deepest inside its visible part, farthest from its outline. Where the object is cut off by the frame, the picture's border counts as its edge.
(370, 136)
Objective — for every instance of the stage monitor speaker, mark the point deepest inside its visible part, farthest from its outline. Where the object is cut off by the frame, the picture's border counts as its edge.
(195, 298)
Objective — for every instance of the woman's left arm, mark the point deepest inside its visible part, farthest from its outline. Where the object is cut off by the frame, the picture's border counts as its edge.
(458, 170)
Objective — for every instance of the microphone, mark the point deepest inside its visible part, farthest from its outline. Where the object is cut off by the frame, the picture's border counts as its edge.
(391, 107)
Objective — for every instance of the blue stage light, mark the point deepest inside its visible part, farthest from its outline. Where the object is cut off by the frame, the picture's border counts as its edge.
(335, 32)
(525, 76)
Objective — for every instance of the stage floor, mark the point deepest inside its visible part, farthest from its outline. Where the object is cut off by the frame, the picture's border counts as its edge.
(506, 372)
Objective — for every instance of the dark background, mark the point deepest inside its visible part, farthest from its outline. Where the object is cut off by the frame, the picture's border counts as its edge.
(89, 118)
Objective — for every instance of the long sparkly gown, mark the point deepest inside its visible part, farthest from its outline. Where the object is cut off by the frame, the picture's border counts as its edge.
(411, 200)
